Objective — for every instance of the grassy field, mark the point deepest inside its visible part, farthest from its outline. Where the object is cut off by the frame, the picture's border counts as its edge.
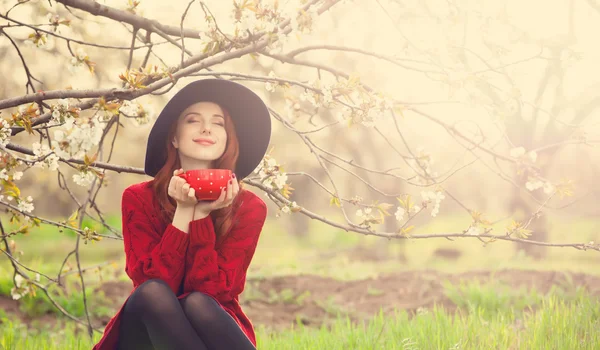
(556, 324)
(482, 315)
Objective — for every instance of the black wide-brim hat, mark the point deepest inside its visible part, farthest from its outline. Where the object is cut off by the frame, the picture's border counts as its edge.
(249, 113)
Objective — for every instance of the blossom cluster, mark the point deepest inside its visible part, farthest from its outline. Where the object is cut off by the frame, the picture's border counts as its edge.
(138, 114)
(4, 132)
(270, 173)
(534, 181)
(23, 287)
(23, 204)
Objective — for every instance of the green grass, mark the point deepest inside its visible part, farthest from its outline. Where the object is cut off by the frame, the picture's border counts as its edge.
(557, 324)
(495, 316)
(71, 301)
(495, 297)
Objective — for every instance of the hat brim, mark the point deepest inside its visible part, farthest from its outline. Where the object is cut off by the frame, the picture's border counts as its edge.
(247, 110)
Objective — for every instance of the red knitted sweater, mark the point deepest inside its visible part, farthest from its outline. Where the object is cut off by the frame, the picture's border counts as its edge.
(188, 261)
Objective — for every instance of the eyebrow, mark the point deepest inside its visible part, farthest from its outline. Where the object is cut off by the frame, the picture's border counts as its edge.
(196, 113)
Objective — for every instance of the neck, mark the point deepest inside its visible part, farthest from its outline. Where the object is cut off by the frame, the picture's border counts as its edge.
(191, 163)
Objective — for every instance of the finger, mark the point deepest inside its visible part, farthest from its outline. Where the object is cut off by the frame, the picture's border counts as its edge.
(173, 185)
(236, 187)
(229, 190)
(192, 193)
(219, 202)
(179, 182)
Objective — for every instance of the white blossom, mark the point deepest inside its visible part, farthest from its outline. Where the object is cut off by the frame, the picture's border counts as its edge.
(77, 62)
(364, 213)
(51, 161)
(130, 109)
(400, 213)
(26, 205)
(280, 180)
(248, 23)
(4, 174)
(435, 197)
(84, 179)
(549, 187)
(533, 184)
(18, 280)
(39, 149)
(270, 86)
(285, 209)
(532, 156)
(4, 132)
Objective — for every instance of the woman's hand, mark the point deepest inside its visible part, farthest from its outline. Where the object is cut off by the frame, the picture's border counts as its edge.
(204, 208)
(180, 190)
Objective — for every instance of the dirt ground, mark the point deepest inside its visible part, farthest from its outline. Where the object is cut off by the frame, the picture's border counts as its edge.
(281, 301)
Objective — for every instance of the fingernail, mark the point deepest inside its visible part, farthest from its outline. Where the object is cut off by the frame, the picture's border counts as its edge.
(233, 176)
(230, 182)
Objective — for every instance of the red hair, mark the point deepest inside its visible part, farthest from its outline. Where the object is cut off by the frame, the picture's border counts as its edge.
(222, 218)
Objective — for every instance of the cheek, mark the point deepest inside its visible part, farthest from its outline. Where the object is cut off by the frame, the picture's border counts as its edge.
(187, 133)
(223, 138)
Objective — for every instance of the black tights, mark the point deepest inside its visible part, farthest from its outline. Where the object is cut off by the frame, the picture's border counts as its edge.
(153, 318)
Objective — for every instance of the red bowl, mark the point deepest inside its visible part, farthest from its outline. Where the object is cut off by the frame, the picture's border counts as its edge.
(207, 182)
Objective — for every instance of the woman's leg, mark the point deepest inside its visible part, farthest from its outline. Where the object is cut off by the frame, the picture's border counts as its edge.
(216, 327)
(153, 319)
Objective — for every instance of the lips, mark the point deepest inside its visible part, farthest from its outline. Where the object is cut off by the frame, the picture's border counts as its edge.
(206, 142)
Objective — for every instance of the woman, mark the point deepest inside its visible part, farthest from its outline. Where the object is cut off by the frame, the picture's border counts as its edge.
(188, 259)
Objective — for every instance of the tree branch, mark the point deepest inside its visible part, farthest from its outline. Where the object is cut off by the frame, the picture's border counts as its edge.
(137, 21)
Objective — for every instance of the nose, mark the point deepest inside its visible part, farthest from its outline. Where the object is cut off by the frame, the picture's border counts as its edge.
(206, 128)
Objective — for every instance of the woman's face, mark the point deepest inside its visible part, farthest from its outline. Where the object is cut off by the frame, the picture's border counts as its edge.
(200, 136)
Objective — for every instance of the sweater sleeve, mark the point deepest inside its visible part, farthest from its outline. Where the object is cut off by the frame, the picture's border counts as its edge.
(222, 273)
(148, 253)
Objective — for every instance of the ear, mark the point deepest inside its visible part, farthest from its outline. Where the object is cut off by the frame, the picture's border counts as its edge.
(174, 142)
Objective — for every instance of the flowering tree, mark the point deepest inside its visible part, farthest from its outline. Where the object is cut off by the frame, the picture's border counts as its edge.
(73, 125)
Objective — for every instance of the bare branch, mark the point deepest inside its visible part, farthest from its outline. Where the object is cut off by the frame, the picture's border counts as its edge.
(136, 21)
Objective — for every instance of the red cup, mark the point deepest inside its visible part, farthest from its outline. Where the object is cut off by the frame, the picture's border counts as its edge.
(207, 183)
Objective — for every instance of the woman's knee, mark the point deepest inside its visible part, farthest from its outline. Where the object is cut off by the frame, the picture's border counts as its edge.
(200, 306)
(151, 292)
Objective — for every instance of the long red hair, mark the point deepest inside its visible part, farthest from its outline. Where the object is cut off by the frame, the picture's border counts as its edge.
(222, 218)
